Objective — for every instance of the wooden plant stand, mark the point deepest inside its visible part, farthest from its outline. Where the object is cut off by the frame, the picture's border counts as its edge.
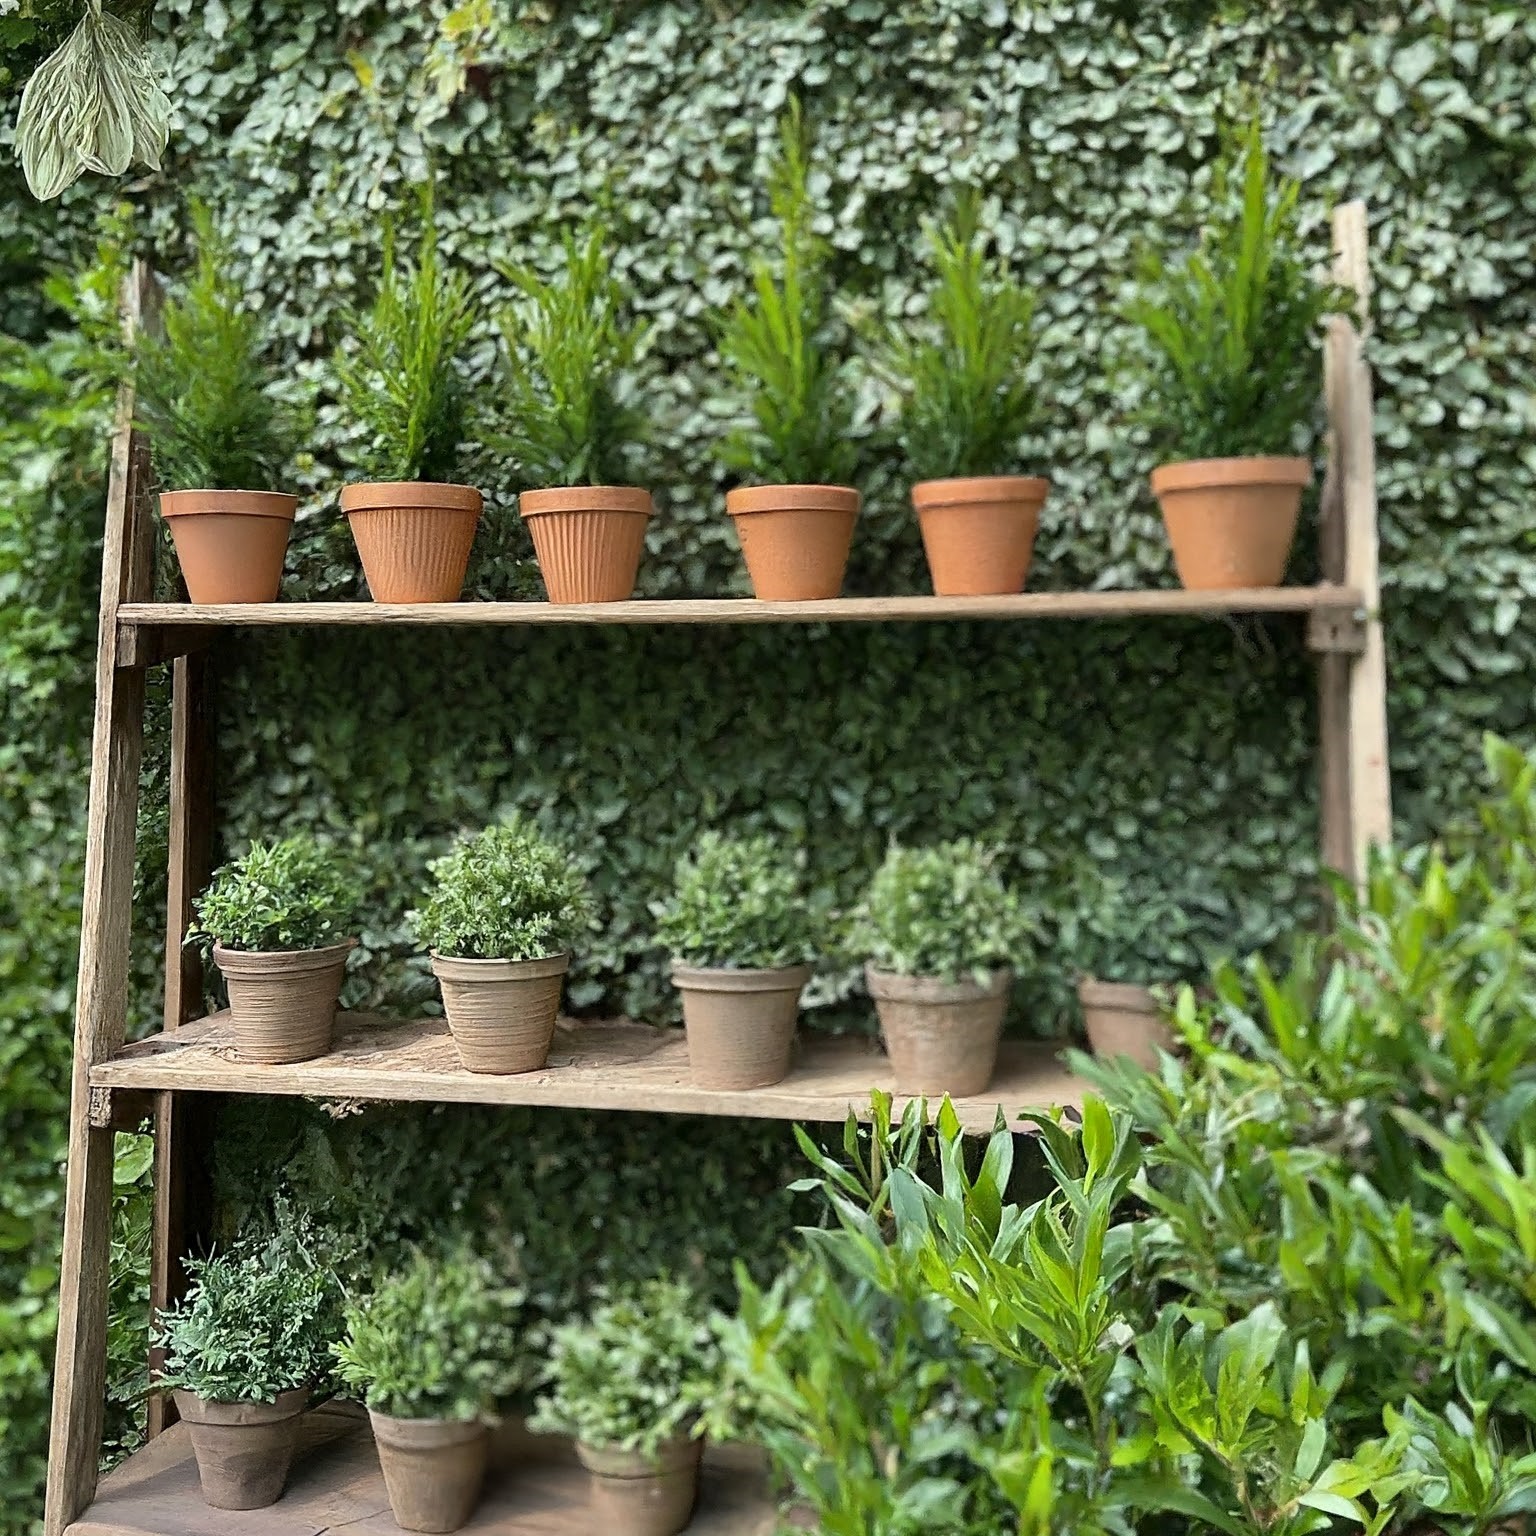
(614, 1066)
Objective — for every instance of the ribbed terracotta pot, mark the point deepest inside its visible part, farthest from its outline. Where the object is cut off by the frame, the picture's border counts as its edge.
(1231, 522)
(588, 538)
(230, 544)
(740, 1024)
(941, 1036)
(794, 538)
(636, 1496)
(1123, 1020)
(501, 1012)
(433, 1469)
(979, 532)
(413, 537)
(282, 1003)
(243, 1449)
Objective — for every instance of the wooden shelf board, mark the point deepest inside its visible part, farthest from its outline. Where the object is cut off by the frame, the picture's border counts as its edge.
(606, 1066)
(535, 1488)
(1024, 605)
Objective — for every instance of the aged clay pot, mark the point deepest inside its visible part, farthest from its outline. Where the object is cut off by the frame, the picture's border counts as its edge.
(230, 543)
(794, 538)
(243, 1449)
(501, 1012)
(1123, 1020)
(413, 536)
(433, 1469)
(634, 1496)
(941, 1036)
(1231, 521)
(282, 1003)
(979, 533)
(588, 539)
(740, 1024)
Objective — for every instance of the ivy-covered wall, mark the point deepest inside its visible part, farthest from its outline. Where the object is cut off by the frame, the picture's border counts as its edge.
(1153, 782)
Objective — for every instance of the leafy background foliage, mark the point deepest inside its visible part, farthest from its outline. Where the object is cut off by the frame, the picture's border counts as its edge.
(1154, 783)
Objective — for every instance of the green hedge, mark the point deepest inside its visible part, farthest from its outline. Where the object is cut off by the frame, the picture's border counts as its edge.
(1154, 782)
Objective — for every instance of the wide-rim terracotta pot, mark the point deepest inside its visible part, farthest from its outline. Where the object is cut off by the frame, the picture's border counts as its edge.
(230, 544)
(413, 537)
(634, 1495)
(794, 538)
(243, 1449)
(1121, 1019)
(739, 1024)
(433, 1469)
(588, 538)
(501, 1013)
(282, 1003)
(1231, 522)
(941, 1036)
(979, 531)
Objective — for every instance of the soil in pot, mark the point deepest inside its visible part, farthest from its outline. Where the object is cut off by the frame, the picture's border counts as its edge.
(794, 538)
(1123, 1020)
(1231, 522)
(941, 1036)
(230, 544)
(979, 533)
(740, 1024)
(636, 1496)
(243, 1450)
(501, 1012)
(282, 1003)
(588, 539)
(433, 1469)
(413, 537)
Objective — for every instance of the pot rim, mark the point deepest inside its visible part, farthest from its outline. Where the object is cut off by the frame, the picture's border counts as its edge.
(672, 1456)
(1255, 469)
(424, 1433)
(894, 987)
(265, 961)
(463, 968)
(280, 506)
(750, 500)
(1121, 996)
(727, 978)
(966, 490)
(622, 500)
(243, 1411)
(401, 495)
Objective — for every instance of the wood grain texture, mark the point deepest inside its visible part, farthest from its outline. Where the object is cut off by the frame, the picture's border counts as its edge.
(608, 1066)
(535, 1488)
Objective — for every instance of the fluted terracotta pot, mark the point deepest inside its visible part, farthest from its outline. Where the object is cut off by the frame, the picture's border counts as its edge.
(230, 544)
(501, 1013)
(243, 1449)
(941, 1036)
(1123, 1020)
(633, 1495)
(413, 537)
(588, 539)
(740, 1024)
(794, 538)
(979, 532)
(1231, 522)
(282, 1003)
(433, 1469)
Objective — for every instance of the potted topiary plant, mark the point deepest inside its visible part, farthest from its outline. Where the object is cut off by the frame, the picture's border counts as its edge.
(243, 1351)
(966, 406)
(505, 907)
(400, 382)
(740, 934)
(216, 433)
(942, 933)
(1232, 383)
(433, 1349)
(569, 426)
(277, 920)
(628, 1383)
(796, 522)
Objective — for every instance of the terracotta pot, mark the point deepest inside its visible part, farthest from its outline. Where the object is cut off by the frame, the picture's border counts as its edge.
(433, 1469)
(979, 533)
(740, 1025)
(794, 538)
(636, 1496)
(502, 1012)
(1123, 1020)
(1231, 521)
(588, 539)
(282, 1003)
(230, 543)
(243, 1449)
(413, 537)
(941, 1036)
